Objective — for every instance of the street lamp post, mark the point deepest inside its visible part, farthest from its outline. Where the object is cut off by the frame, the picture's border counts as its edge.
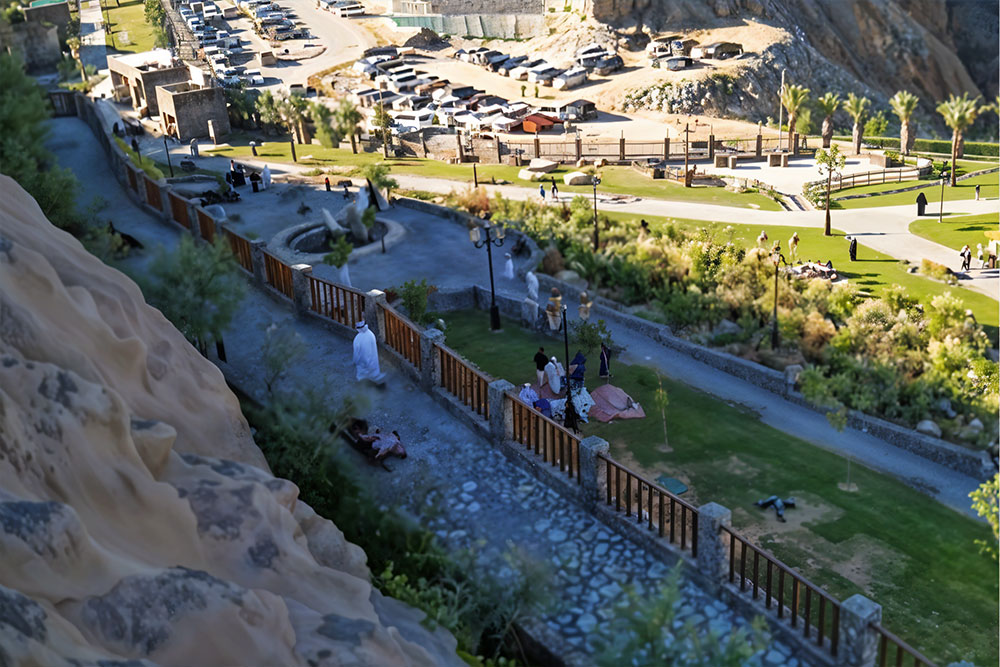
(944, 177)
(477, 240)
(166, 150)
(596, 180)
(777, 258)
(569, 416)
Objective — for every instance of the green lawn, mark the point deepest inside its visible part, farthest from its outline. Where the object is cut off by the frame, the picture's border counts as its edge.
(872, 273)
(615, 180)
(963, 190)
(128, 17)
(955, 232)
(901, 548)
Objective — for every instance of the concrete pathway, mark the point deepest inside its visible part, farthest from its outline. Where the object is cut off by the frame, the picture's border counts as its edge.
(453, 481)
(93, 48)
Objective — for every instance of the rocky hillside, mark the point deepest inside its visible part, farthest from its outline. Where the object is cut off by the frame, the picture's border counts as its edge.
(138, 521)
(930, 47)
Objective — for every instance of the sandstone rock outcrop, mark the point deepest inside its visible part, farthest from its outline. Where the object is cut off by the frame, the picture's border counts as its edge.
(138, 521)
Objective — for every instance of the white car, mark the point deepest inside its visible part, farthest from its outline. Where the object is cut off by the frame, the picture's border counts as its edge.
(253, 77)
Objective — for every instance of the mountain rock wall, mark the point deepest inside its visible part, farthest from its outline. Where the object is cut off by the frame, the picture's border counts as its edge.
(138, 522)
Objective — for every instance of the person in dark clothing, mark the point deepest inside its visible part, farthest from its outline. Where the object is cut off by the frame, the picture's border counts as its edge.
(555, 190)
(540, 361)
(921, 203)
(852, 249)
(135, 146)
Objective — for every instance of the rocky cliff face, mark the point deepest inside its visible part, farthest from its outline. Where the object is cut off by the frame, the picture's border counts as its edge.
(138, 523)
(931, 47)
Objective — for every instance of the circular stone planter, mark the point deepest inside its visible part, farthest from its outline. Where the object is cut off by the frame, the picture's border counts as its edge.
(307, 243)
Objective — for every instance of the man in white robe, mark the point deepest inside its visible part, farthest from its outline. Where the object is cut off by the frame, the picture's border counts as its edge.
(508, 267)
(554, 374)
(265, 177)
(366, 355)
(532, 280)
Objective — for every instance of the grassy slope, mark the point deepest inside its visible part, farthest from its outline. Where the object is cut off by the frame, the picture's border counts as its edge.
(955, 232)
(873, 271)
(963, 190)
(129, 17)
(615, 180)
(908, 552)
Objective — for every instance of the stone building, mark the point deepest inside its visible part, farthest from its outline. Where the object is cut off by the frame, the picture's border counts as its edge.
(52, 12)
(36, 44)
(135, 76)
(189, 110)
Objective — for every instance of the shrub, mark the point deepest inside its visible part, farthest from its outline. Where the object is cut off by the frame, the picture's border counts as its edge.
(414, 296)
(590, 336)
(937, 271)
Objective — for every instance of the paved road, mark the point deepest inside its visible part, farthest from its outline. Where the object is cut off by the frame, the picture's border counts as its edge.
(93, 49)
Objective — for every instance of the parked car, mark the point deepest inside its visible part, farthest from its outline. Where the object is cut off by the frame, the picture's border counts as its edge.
(253, 77)
(521, 71)
(347, 8)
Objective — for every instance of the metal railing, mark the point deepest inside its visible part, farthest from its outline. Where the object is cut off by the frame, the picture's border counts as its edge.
(672, 518)
(278, 275)
(402, 335)
(241, 250)
(341, 304)
(465, 383)
(549, 440)
(761, 575)
(905, 655)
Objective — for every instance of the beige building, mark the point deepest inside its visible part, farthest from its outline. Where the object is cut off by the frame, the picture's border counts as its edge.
(189, 110)
(135, 76)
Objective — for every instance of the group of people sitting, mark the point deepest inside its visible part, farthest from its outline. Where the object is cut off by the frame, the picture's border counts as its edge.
(549, 371)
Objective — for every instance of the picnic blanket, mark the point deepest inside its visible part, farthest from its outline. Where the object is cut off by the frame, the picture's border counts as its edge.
(611, 402)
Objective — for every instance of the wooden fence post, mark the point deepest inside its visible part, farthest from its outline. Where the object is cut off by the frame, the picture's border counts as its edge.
(711, 147)
(621, 148)
(713, 557)
(430, 360)
(501, 417)
(666, 148)
(301, 294)
(374, 315)
(795, 144)
(257, 256)
(579, 148)
(593, 472)
(858, 640)
(538, 146)
(759, 147)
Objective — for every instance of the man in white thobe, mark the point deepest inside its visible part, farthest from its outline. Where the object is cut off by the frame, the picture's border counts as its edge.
(508, 267)
(265, 177)
(366, 355)
(554, 374)
(532, 281)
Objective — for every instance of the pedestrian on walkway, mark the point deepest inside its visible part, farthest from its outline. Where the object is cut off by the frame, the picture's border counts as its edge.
(326, 181)
(966, 254)
(555, 190)
(265, 177)
(347, 193)
(541, 191)
(977, 191)
(194, 147)
(366, 355)
(979, 256)
(793, 246)
(508, 267)
(762, 239)
(540, 361)
(852, 249)
(135, 146)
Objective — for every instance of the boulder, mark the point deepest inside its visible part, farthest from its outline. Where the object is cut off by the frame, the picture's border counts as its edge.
(571, 277)
(928, 427)
(553, 262)
(975, 425)
(727, 327)
(576, 178)
(944, 406)
(528, 175)
(542, 165)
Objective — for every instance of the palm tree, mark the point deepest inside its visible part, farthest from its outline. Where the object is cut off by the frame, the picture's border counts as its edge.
(792, 98)
(74, 49)
(958, 113)
(903, 104)
(345, 119)
(267, 109)
(828, 104)
(293, 112)
(321, 116)
(856, 107)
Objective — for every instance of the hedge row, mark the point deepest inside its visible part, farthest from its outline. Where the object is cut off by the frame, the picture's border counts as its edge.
(933, 145)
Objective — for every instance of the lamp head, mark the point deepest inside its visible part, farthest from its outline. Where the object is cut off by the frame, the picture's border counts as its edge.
(474, 234)
(500, 232)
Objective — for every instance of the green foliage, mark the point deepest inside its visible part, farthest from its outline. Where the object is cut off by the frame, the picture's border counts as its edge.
(153, 12)
(146, 164)
(903, 104)
(828, 103)
(414, 297)
(590, 336)
(283, 347)
(339, 252)
(984, 149)
(876, 125)
(345, 121)
(643, 632)
(856, 107)
(378, 174)
(368, 217)
(937, 271)
(13, 14)
(68, 68)
(986, 503)
(198, 287)
(322, 116)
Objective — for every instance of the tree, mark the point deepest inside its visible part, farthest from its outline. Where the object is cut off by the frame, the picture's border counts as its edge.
(958, 113)
(828, 104)
(986, 502)
(345, 120)
(378, 174)
(876, 126)
(829, 161)
(293, 110)
(662, 400)
(384, 122)
(73, 43)
(197, 287)
(793, 98)
(903, 104)
(268, 109)
(322, 117)
(240, 104)
(856, 107)
(154, 12)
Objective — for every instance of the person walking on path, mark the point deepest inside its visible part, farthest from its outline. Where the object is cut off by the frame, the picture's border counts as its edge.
(194, 147)
(966, 254)
(366, 355)
(793, 246)
(979, 256)
(852, 249)
(541, 191)
(135, 146)
(555, 190)
(977, 191)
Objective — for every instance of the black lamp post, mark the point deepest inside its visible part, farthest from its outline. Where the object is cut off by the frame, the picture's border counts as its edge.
(166, 151)
(777, 258)
(944, 177)
(477, 240)
(569, 417)
(595, 181)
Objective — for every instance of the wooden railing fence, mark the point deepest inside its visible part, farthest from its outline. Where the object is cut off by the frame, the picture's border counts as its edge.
(344, 305)
(549, 440)
(241, 250)
(464, 382)
(403, 336)
(894, 651)
(278, 275)
(874, 178)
